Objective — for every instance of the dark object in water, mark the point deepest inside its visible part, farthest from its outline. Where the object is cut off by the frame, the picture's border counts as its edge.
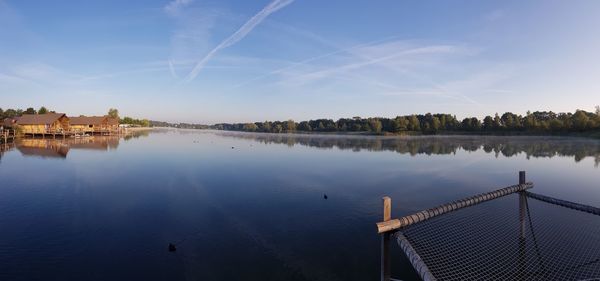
(325, 196)
(172, 248)
(232, 147)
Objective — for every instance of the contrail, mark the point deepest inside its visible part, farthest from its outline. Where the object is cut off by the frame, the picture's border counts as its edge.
(296, 64)
(239, 34)
(172, 70)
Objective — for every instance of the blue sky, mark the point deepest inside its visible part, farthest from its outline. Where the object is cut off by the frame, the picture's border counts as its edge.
(237, 61)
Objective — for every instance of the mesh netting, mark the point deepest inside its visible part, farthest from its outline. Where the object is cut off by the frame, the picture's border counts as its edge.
(489, 242)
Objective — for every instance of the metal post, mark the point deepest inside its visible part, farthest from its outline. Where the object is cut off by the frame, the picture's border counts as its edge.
(385, 241)
(522, 198)
(522, 180)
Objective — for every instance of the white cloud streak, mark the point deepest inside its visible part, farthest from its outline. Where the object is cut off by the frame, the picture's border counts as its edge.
(172, 70)
(174, 6)
(239, 34)
(324, 73)
(309, 60)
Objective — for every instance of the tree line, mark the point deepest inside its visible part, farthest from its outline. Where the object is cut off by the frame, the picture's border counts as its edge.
(178, 125)
(114, 113)
(12, 113)
(536, 123)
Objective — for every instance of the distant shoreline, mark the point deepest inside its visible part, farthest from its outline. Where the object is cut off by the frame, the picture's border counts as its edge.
(137, 129)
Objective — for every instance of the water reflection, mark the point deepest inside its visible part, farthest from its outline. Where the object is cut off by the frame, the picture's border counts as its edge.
(536, 147)
(43, 148)
(60, 148)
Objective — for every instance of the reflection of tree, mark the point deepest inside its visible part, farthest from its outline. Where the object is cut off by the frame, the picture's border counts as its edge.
(136, 134)
(507, 146)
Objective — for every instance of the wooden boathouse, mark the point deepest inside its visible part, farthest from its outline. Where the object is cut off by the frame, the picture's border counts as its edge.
(104, 125)
(49, 124)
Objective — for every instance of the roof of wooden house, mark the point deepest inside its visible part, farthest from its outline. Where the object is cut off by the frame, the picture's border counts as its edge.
(88, 120)
(39, 119)
(9, 122)
(113, 121)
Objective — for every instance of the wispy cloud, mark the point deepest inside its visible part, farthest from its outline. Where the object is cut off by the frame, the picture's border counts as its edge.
(311, 59)
(386, 57)
(174, 6)
(239, 34)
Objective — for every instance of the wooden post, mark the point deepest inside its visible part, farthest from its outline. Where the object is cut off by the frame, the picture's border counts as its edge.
(522, 179)
(385, 241)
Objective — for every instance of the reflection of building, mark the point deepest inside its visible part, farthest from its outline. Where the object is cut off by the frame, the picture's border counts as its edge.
(59, 148)
(94, 124)
(94, 143)
(43, 123)
(43, 148)
(4, 147)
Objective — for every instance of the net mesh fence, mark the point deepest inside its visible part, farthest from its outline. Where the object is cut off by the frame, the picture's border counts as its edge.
(515, 237)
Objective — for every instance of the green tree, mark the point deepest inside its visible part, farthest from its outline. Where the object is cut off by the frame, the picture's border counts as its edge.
(321, 127)
(304, 126)
(375, 125)
(488, 123)
(413, 123)
(290, 126)
(10, 113)
(113, 113)
(436, 124)
(402, 124)
(556, 125)
(497, 122)
(251, 127)
(42, 110)
(30, 110)
(580, 120)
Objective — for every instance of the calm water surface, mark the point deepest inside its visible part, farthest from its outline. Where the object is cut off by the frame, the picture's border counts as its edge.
(249, 206)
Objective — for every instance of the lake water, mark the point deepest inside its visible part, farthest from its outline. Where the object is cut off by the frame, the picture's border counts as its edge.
(243, 206)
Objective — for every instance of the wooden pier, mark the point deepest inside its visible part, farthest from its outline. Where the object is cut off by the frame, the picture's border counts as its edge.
(71, 133)
(7, 136)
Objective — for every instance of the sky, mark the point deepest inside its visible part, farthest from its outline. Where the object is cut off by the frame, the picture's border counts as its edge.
(241, 61)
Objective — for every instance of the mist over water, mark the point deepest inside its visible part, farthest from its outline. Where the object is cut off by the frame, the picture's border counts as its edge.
(242, 206)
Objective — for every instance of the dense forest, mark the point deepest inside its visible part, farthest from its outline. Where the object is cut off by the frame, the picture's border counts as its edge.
(539, 122)
(12, 113)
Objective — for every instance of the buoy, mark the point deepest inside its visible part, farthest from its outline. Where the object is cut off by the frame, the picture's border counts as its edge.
(325, 196)
(172, 248)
